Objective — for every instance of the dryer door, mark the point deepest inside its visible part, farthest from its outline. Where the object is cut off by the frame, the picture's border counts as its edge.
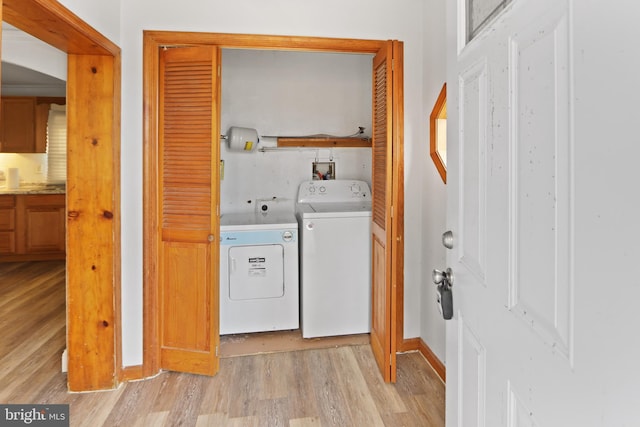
(256, 272)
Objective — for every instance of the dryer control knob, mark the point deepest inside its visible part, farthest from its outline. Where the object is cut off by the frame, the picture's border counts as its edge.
(287, 236)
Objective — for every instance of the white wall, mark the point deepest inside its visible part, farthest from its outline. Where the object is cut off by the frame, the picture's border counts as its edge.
(22, 49)
(104, 16)
(434, 200)
(291, 94)
(366, 19)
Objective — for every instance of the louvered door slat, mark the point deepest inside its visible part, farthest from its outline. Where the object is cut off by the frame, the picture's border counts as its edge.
(186, 172)
(379, 144)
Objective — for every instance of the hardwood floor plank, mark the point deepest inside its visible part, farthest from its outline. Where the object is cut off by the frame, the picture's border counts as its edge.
(172, 385)
(305, 422)
(273, 412)
(304, 402)
(186, 405)
(276, 376)
(217, 397)
(282, 341)
(53, 392)
(251, 421)
(20, 277)
(212, 420)
(153, 419)
(20, 291)
(428, 383)
(336, 385)
(386, 396)
(17, 354)
(419, 411)
(136, 395)
(40, 314)
(243, 387)
(329, 394)
(93, 409)
(362, 407)
(29, 376)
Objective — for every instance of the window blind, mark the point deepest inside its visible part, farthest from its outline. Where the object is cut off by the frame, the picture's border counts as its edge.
(57, 144)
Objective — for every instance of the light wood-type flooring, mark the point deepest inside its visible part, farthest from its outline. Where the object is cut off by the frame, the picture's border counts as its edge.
(335, 386)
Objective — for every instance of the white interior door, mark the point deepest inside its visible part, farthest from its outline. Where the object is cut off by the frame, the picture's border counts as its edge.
(539, 186)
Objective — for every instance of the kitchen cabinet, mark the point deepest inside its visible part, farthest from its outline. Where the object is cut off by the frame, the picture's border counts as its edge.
(32, 227)
(23, 123)
(17, 124)
(7, 225)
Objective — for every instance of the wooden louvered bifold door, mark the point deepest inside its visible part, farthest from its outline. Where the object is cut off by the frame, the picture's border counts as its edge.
(381, 331)
(188, 294)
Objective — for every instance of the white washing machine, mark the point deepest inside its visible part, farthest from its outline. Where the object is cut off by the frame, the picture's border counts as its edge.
(258, 272)
(334, 218)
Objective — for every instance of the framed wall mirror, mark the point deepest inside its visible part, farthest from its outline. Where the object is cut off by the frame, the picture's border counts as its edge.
(438, 133)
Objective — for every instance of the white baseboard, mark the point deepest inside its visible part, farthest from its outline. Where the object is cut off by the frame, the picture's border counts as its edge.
(65, 360)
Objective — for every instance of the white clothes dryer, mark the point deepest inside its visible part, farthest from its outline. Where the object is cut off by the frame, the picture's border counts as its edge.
(334, 218)
(258, 272)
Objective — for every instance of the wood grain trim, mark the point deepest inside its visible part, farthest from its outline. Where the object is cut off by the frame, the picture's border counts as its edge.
(268, 42)
(58, 26)
(397, 221)
(152, 41)
(132, 373)
(324, 142)
(115, 172)
(151, 328)
(417, 344)
(93, 285)
(93, 210)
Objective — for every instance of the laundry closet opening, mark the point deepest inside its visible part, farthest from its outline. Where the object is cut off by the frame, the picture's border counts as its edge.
(280, 94)
(192, 180)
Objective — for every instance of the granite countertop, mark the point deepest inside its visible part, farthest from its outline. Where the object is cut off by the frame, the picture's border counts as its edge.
(34, 188)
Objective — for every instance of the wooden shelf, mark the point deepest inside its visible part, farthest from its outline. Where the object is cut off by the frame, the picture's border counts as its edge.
(324, 142)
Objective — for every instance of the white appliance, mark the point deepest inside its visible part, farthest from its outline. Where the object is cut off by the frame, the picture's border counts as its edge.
(334, 218)
(258, 272)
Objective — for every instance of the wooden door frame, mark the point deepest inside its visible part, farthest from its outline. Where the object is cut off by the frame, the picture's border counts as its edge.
(155, 40)
(93, 188)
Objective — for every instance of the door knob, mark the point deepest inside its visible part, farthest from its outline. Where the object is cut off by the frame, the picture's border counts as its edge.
(443, 277)
(447, 239)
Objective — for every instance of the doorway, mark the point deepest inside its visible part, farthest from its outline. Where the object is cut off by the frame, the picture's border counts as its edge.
(93, 201)
(154, 42)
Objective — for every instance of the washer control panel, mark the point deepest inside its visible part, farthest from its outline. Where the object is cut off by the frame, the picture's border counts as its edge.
(333, 191)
